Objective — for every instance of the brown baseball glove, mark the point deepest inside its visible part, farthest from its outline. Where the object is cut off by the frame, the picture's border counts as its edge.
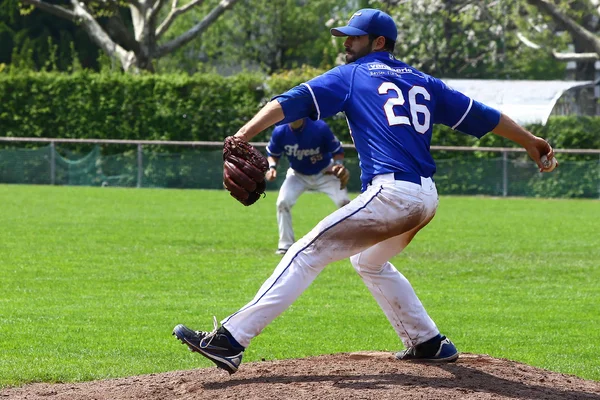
(342, 174)
(244, 170)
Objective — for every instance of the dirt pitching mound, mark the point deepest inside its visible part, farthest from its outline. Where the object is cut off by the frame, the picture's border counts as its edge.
(340, 376)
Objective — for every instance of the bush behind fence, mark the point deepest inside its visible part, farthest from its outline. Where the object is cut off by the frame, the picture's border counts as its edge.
(201, 107)
(470, 174)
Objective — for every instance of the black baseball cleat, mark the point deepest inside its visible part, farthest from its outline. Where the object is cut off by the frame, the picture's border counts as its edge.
(437, 349)
(218, 346)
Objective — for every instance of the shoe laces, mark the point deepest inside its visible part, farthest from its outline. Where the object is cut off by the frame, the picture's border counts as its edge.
(208, 335)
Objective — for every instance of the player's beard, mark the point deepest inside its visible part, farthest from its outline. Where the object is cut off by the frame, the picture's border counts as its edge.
(352, 56)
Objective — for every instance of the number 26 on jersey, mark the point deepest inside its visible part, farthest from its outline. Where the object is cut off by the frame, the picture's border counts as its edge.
(414, 107)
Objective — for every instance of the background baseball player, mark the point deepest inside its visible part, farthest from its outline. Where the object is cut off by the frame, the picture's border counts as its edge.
(316, 160)
(391, 108)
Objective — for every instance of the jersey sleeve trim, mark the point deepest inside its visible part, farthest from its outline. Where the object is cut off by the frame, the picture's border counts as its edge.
(270, 153)
(314, 100)
(465, 114)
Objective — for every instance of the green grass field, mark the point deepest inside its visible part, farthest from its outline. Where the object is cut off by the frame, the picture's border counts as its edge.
(94, 279)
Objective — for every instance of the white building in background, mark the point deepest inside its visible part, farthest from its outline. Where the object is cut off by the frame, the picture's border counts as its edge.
(530, 102)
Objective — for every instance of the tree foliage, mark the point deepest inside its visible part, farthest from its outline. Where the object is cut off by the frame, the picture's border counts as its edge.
(459, 38)
(129, 31)
(503, 39)
(468, 39)
(40, 41)
(578, 21)
(266, 35)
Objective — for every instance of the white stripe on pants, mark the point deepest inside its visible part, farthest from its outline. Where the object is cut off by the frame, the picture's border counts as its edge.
(374, 227)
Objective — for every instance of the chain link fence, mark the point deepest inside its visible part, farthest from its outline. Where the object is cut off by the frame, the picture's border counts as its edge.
(198, 165)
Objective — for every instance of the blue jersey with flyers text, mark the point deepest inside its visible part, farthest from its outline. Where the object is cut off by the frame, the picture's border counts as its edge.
(308, 149)
(391, 108)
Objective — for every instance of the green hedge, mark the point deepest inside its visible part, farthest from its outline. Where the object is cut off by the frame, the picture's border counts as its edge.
(199, 107)
(122, 106)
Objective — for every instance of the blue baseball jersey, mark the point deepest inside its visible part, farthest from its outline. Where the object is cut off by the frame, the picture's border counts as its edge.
(308, 149)
(391, 108)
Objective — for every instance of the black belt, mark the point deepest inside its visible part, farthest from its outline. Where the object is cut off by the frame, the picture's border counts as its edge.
(407, 176)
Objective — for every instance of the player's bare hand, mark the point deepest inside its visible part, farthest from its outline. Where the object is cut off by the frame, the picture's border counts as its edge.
(271, 174)
(540, 148)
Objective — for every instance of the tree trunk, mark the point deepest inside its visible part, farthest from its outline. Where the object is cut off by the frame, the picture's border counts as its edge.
(578, 32)
(134, 52)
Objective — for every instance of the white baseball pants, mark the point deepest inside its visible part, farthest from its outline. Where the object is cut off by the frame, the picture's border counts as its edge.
(294, 185)
(373, 228)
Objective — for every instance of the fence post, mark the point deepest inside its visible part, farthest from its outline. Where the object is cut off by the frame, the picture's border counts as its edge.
(504, 173)
(52, 164)
(140, 165)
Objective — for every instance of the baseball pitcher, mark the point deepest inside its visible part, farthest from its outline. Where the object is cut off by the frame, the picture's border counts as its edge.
(316, 160)
(391, 108)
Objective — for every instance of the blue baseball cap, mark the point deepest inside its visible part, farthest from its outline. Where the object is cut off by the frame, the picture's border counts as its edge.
(368, 21)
